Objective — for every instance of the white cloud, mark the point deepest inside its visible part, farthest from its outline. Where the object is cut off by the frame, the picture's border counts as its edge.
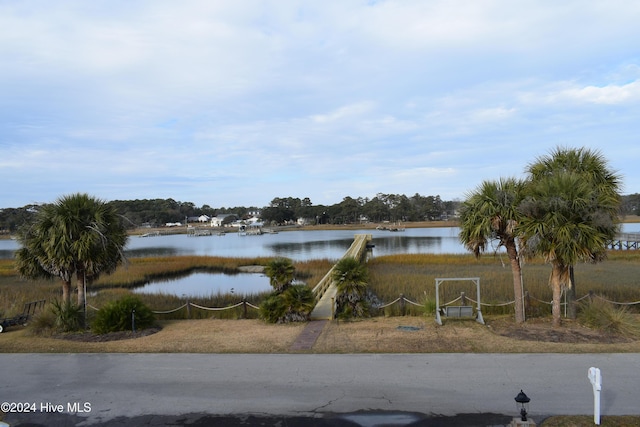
(610, 94)
(260, 99)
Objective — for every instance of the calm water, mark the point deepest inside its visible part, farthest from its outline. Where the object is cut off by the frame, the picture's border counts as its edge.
(298, 245)
(206, 284)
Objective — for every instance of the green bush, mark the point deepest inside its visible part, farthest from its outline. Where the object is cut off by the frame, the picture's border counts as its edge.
(69, 317)
(292, 305)
(117, 316)
(272, 308)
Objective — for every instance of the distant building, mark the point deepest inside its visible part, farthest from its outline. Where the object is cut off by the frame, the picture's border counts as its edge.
(222, 220)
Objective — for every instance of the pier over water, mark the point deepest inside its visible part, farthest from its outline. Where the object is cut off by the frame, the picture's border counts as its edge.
(625, 241)
(326, 290)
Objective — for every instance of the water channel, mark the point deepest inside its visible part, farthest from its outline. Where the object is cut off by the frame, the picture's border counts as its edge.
(299, 245)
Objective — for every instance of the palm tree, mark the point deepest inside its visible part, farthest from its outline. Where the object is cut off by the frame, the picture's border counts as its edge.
(565, 220)
(490, 213)
(351, 277)
(592, 168)
(280, 272)
(77, 235)
(298, 301)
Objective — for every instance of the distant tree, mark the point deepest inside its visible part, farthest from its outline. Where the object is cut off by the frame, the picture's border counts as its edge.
(631, 204)
(12, 218)
(376, 210)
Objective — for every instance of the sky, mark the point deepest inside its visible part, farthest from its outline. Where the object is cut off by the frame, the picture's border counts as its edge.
(235, 103)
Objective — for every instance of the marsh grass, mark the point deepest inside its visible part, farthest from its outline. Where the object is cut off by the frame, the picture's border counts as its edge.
(15, 291)
(138, 271)
(413, 275)
(604, 316)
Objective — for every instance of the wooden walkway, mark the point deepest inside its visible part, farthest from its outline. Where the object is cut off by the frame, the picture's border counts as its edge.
(325, 291)
(628, 241)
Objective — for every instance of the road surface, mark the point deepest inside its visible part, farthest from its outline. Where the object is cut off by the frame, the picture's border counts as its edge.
(96, 388)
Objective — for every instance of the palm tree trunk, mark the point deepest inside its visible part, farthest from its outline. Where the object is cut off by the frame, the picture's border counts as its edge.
(66, 292)
(80, 284)
(557, 273)
(518, 290)
(571, 295)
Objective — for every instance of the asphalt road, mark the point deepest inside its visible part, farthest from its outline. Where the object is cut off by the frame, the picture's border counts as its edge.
(108, 389)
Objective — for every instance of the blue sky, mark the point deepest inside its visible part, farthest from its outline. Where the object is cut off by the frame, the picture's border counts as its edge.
(234, 103)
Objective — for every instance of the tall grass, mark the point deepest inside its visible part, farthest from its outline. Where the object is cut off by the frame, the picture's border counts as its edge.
(15, 292)
(138, 271)
(414, 275)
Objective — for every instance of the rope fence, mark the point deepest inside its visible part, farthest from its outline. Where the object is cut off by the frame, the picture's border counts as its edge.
(401, 300)
(188, 305)
(464, 300)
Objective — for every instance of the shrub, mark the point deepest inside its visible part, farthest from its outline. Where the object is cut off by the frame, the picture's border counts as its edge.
(299, 301)
(117, 316)
(604, 316)
(272, 308)
(292, 305)
(69, 317)
(43, 323)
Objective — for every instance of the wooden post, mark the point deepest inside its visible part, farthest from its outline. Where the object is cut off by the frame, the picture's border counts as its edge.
(188, 310)
(463, 298)
(402, 305)
(527, 302)
(244, 308)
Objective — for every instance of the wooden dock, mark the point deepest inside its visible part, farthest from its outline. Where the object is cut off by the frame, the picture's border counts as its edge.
(326, 290)
(625, 241)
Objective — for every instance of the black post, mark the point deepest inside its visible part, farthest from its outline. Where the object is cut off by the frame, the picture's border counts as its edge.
(133, 320)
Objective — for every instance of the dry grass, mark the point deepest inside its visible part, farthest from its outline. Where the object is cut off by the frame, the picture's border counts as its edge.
(376, 335)
(176, 336)
(587, 420)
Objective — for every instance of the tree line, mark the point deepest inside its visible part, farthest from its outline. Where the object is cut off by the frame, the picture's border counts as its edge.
(382, 207)
(157, 212)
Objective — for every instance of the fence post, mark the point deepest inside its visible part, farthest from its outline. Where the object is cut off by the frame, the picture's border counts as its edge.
(188, 310)
(463, 298)
(592, 295)
(244, 308)
(402, 305)
(527, 302)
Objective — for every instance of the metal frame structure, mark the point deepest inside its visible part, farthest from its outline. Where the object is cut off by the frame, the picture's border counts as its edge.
(475, 280)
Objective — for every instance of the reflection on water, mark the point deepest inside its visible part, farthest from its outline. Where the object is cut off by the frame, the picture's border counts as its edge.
(202, 284)
(298, 245)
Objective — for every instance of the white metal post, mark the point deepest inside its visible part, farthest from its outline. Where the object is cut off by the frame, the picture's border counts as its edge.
(596, 381)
